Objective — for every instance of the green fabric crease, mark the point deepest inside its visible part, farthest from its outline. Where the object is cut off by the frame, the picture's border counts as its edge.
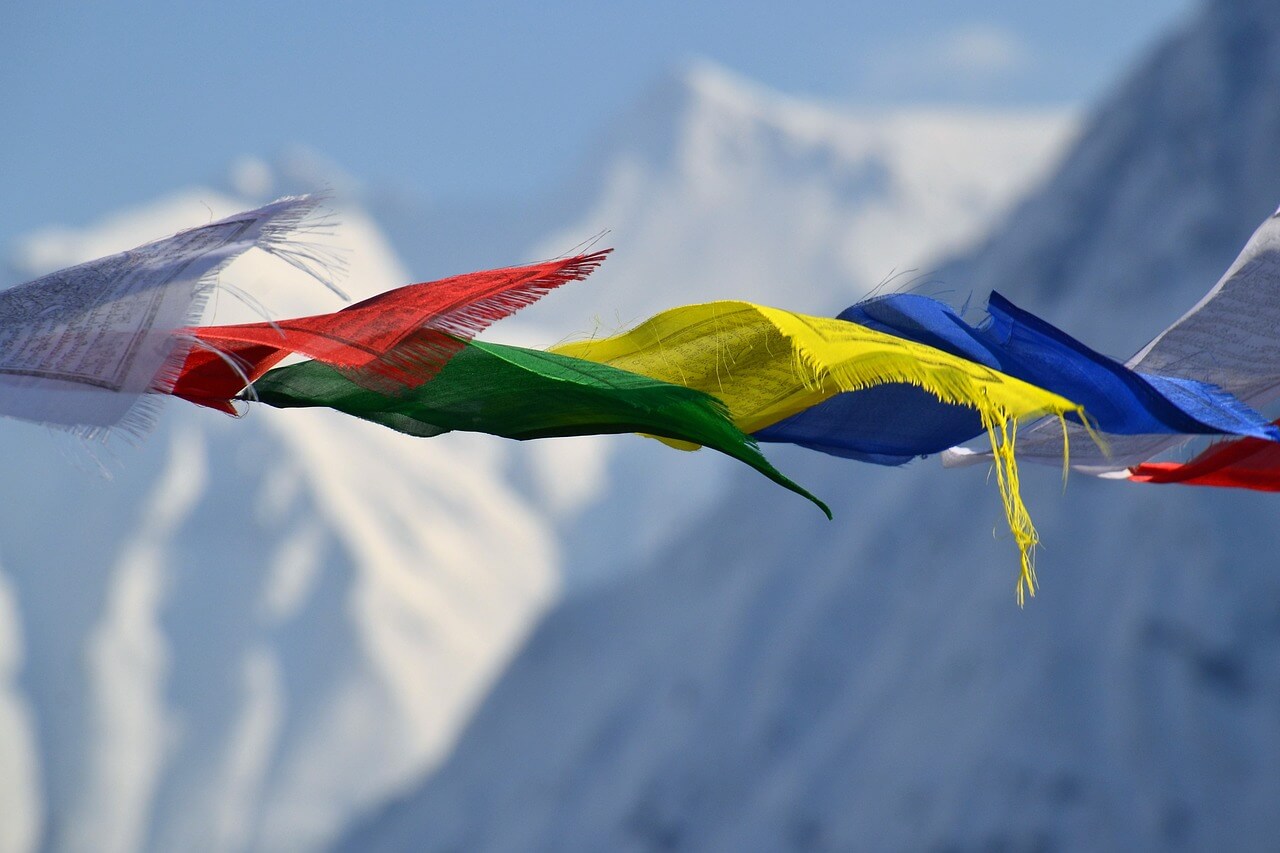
(524, 394)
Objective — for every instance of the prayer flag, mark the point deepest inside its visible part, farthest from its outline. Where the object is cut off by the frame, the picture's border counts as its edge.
(524, 394)
(81, 348)
(1246, 463)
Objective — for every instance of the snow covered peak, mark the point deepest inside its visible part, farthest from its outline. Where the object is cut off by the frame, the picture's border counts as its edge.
(712, 83)
(703, 90)
(711, 188)
(702, 111)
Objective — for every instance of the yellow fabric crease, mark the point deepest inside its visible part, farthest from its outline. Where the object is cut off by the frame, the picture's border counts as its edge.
(767, 364)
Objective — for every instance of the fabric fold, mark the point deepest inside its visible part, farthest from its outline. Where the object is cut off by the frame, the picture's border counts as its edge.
(525, 394)
(767, 364)
(392, 341)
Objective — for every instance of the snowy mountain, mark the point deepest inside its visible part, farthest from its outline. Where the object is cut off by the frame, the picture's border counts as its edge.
(255, 628)
(258, 630)
(774, 682)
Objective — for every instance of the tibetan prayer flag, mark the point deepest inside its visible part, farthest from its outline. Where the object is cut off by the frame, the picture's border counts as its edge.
(1228, 339)
(394, 340)
(1246, 463)
(894, 423)
(524, 394)
(767, 364)
(81, 348)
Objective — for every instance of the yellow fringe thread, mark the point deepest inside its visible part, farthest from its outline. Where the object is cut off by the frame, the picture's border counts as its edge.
(1003, 433)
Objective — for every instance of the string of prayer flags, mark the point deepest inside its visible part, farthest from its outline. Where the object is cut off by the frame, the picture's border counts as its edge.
(892, 378)
(767, 364)
(525, 394)
(394, 340)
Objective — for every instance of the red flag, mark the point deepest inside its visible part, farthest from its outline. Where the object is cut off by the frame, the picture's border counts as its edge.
(396, 339)
(1247, 463)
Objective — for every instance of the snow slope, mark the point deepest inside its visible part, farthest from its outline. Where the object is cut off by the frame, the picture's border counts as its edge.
(257, 627)
(774, 682)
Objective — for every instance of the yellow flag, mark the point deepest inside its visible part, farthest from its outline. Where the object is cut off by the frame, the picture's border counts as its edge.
(767, 364)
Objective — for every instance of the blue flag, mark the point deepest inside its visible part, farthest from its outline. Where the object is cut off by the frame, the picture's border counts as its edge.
(892, 424)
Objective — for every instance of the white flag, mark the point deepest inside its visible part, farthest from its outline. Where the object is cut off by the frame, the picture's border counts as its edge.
(81, 348)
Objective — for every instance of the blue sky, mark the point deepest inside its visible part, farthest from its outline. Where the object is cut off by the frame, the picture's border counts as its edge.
(104, 104)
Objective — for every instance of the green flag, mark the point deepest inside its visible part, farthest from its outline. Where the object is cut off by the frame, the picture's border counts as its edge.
(522, 394)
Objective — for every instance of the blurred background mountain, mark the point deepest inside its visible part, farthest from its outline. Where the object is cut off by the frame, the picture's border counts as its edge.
(772, 683)
(289, 630)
